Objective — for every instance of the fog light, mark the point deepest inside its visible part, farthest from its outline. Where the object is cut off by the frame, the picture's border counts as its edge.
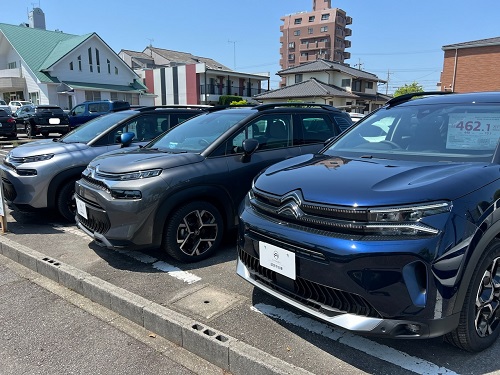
(126, 194)
(26, 172)
(413, 328)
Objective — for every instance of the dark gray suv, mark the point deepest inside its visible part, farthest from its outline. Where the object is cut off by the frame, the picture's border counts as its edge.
(182, 190)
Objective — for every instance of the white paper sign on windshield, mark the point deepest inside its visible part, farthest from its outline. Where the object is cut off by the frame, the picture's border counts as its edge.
(474, 131)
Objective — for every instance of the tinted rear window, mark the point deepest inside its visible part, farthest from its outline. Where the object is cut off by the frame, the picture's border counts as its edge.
(55, 110)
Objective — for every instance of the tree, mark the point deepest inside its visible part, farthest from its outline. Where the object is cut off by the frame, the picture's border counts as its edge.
(408, 89)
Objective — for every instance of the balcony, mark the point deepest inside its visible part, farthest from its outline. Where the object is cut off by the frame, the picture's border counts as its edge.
(210, 93)
(314, 46)
(348, 32)
(348, 20)
(347, 55)
(347, 43)
(12, 80)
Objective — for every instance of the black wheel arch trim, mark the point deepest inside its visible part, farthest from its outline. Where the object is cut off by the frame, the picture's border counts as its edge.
(211, 194)
(58, 180)
(492, 232)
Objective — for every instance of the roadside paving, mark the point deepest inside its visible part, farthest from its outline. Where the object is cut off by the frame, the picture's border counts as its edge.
(48, 329)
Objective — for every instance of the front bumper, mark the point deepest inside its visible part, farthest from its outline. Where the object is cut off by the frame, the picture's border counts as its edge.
(26, 192)
(383, 287)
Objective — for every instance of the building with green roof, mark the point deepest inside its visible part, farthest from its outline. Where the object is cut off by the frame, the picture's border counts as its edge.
(52, 67)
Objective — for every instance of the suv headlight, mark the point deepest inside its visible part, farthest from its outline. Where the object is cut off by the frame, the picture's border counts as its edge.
(30, 159)
(139, 174)
(405, 220)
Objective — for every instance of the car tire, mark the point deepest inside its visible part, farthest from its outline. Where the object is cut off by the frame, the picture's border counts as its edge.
(66, 204)
(479, 324)
(193, 232)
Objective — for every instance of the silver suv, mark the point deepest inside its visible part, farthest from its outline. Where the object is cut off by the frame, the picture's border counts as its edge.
(42, 174)
(182, 190)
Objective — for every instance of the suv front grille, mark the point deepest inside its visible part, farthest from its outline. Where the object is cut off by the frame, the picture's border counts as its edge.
(328, 300)
(97, 183)
(97, 220)
(9, 191)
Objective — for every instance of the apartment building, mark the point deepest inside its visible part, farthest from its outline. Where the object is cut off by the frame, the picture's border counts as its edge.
(319, 34)
(471, 66)
(176, 77)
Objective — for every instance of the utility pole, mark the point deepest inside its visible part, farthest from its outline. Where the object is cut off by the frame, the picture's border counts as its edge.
(359, 64)
(234, 52)
(387, 84)
(150, 41)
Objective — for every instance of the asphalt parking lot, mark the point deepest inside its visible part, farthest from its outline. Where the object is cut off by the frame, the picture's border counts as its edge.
(211, 295)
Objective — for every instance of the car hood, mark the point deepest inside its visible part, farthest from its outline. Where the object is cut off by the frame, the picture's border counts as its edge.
(46, 146)
(142, 159)
(374, 182)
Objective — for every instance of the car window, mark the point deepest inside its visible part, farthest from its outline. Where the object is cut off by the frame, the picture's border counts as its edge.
(235, 143)
(79, 109)
(197, 133)
(272, 131)
(145, 128)
(444, 131)
(3, 113)
(317, 128)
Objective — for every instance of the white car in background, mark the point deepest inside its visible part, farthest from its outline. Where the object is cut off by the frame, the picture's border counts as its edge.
(16, 104)
(355, 117)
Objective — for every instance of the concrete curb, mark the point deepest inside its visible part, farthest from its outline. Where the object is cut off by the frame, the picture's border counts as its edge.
(216, 347)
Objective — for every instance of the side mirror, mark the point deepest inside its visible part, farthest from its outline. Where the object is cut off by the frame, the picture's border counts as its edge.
(249, 147)
(126, 138)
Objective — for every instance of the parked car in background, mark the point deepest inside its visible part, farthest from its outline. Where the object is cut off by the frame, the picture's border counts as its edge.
(45, 119)
(42, 174)
(393, 229)
(21, 114)
(7, 125)
(91, 109)
(355, 117)
(5, 107)
(16, 104)
(182, 190)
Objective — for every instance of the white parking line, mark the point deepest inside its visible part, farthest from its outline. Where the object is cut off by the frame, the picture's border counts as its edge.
(386, 353)
(143, 258)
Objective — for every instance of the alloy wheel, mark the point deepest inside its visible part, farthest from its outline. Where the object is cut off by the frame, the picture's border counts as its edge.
(487, 310)
(197, 232)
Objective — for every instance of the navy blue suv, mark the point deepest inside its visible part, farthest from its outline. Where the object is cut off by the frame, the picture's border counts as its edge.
(393, 229)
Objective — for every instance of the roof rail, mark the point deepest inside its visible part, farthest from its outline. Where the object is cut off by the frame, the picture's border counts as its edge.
(262, 107)
(182, 106)
(406, 97)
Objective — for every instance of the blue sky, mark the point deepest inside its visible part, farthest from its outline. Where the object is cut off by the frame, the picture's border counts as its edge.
(401, 40)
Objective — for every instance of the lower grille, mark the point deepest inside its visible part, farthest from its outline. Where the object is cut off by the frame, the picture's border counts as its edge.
(97, 220)
(306, 292)
(9, 192)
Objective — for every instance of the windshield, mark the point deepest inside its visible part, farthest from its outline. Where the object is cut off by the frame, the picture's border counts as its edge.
(444, 131)
(196, 134)
(88, 131)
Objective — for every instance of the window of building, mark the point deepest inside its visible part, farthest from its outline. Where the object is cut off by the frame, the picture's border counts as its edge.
(92, 95)
(346, 82)
(97, 61)
(298, 78)
(79, 58)
(298, 21)
(116, 70)
(356, 85)
(90, 60)
(369, 85)
(324, 29)
(12, 65)
(109, 66)
(311, 18)
(291, 45)
(310, 30)
(296, 32)
(71, 65)
(291, 57)
(325, 17)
